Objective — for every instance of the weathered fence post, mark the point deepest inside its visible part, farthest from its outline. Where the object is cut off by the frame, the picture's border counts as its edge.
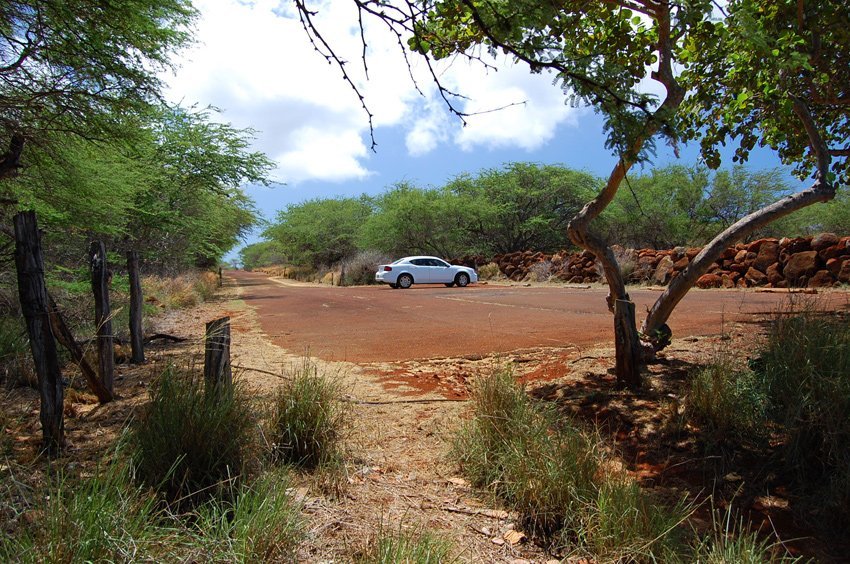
(628, 372)
(137, 338)
(66, 339)
(220, 278)
(34, 305)
(218, 376)
(102, 313)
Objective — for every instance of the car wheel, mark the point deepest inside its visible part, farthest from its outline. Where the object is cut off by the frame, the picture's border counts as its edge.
(405, 281)
(462, 279)
(393, 286)
(449, 284)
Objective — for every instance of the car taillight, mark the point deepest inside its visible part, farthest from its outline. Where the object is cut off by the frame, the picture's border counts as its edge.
(387, 268)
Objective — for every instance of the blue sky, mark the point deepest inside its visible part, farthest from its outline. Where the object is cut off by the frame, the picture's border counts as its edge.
(254, 62)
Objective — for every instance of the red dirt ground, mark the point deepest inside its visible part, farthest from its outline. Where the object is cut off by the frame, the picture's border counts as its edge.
(368, 324)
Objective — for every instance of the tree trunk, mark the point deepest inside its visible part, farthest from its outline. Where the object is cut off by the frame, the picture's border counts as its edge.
(218, 376)
(137, 336)
(66, 339)
(34, 305)
(628, 359)
(821, 191)
(100, 276)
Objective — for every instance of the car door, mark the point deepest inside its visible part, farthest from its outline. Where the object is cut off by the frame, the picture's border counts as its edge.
(421, 270)
(441, 272)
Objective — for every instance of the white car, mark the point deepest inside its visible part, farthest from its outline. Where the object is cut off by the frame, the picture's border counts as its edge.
(406, 271)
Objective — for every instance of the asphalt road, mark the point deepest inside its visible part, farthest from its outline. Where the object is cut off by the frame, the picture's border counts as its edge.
(379, 324)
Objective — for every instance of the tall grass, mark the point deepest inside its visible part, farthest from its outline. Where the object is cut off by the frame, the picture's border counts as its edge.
(731, 541)
(804, 367)
(102, 518)
(726, 401)
(307, 424)
(15, 364)
(185, 290)
(191, 445)
(557, 478)
(415, 546)
(262, 522)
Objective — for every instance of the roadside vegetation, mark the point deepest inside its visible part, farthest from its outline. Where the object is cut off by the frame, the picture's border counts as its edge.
(795, 392)
(520, 207)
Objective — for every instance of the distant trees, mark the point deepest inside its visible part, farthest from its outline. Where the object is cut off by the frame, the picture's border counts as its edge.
(525, 206)
(319, 232)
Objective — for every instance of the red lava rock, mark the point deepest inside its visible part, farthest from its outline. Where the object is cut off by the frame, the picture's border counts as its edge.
(833, 265)
(755, 277)
(741, 256)
(823, 241)
(709, 281)
(663, 270)
(844, 273)
(681, 264)
(768, 254)
(796, 245)
(774, 274)
(800, 265)
(821, 279)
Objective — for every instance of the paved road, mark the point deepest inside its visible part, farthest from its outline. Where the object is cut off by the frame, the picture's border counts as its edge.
(377, 323)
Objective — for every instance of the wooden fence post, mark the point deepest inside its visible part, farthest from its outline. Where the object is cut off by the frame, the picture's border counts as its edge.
(220, 278)
(34, 305)
(218, 376)
(102, 313)
(137, 338)
(66, 339)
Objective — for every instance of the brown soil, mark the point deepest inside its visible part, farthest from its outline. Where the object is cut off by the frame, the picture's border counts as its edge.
(404, 411)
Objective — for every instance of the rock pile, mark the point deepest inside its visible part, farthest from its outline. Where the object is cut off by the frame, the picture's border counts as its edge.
(816, 262)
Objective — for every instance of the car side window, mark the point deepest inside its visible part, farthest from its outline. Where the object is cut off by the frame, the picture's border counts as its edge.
(438, 262)
(420, 262)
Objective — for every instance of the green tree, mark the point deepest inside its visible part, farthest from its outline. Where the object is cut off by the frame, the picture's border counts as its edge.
(264, 253)
(319, 232)
(410, 220)
(522, 206)
(80, 67)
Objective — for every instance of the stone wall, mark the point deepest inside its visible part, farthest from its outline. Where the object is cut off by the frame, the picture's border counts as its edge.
(816, 262)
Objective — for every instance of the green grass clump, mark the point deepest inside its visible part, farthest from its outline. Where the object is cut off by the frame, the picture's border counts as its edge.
(15, 364)
(308, 420)
(731, 541)
(408, 546)
(191, 445)
(727, 402)
(804, 368)
(102, 518)
(262, 523)
(555, 476)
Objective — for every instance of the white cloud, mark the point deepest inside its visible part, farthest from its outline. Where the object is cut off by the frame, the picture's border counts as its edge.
(253, 60)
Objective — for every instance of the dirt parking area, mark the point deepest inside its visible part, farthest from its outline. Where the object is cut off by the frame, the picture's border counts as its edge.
(369, 324)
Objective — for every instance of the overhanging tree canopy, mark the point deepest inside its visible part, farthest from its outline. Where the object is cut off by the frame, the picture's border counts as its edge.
(600, 53)
(80, 66)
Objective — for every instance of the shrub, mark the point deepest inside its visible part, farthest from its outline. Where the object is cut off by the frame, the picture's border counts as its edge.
(308, 419)
(489, 271)
(804, 367)
(186, 290)
(262, 523)
(726, 401)
(556, 478)
(360, 268)
(191, 445)
(541, 271)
